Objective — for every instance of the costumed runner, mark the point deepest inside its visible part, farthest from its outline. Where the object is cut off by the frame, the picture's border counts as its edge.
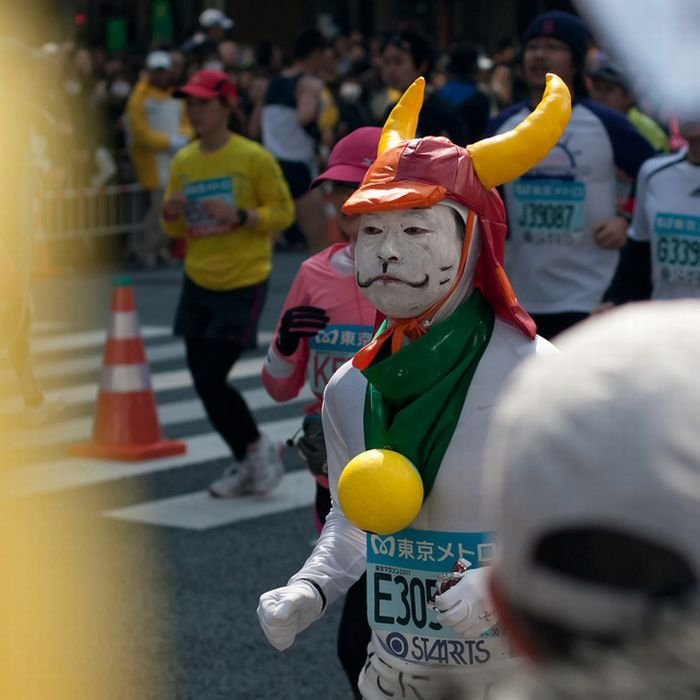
(405, 420)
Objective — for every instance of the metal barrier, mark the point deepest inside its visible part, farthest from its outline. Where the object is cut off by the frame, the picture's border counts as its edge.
(85, 213)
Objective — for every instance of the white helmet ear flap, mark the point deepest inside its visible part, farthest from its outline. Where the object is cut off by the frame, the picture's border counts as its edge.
(456, 206)
(465, 284)
(474, 253)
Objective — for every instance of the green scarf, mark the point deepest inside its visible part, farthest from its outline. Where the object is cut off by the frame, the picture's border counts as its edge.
(415, 397)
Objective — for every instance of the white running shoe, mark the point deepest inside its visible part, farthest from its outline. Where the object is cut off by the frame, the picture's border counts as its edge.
(266, 464)
(237, 480)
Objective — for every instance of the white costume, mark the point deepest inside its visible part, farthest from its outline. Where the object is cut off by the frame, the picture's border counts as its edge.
(401, 567)
(429, 256)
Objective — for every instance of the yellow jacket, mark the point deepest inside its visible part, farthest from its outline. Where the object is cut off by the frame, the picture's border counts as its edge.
(153, 118)
(247, 176)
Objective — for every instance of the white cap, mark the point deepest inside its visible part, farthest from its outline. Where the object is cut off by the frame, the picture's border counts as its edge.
(214, 18)
(604, 434)
(484, 62)
(159, 60)
(456, 206)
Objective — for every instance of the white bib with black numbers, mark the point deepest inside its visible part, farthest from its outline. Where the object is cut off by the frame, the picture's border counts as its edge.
(552, 259)
(667, 215)
(402, 570)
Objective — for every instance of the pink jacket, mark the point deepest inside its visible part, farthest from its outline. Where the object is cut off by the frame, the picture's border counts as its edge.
(326, 280)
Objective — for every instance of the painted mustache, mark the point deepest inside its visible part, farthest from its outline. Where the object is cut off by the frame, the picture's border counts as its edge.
(391, 278)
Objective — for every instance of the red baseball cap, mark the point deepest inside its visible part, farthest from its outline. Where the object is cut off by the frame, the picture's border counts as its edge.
(208, 84)
(351, 156)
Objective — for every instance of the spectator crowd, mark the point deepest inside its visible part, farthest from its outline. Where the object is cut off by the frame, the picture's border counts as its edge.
(97, 100)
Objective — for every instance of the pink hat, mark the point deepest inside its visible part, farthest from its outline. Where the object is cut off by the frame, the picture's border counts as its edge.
(352, 156)
(208, 84)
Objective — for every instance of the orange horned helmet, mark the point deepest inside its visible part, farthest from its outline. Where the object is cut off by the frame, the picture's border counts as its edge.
(417, 173)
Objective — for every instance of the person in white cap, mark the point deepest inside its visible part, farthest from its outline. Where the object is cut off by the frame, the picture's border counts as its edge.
(213, 19)
(157, 127)
(595, 457)
(429, 257)
(213, 28)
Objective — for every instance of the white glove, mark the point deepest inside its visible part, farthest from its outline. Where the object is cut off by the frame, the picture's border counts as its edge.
(177, 142)
(284, 612)
(467, 607)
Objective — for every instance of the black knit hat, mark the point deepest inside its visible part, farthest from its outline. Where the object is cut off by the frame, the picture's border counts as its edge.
(563, 26)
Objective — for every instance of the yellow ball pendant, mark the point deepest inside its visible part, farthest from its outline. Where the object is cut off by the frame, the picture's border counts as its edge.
(380, 491)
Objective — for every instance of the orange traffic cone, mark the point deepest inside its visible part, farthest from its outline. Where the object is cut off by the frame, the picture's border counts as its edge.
(126, 423)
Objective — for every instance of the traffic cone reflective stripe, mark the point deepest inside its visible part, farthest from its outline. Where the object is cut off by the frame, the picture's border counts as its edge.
(123, 325)
(125, 379)
(126, 419)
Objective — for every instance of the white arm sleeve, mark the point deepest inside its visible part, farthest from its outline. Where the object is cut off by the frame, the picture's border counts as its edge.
(340, 555)
(639, 229)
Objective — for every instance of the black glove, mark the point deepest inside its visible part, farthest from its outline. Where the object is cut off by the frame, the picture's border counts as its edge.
(311, 445)
(297, 323)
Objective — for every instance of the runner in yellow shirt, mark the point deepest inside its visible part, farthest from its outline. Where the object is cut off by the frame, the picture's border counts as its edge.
(227, 196)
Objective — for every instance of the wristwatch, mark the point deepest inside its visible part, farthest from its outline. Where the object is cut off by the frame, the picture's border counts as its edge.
(242, 217)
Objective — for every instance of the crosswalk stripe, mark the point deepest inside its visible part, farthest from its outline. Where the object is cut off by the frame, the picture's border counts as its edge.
(66, 367)
(87, 339)
(93, 363)
(169, 414)
(59, 475)
(161, 381)
(41, 327)
(199, 511)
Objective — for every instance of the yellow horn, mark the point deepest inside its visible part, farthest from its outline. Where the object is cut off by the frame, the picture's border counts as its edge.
(402, 123)
(507, 156)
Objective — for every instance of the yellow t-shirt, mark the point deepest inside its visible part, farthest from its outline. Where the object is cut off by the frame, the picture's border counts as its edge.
(244, 175)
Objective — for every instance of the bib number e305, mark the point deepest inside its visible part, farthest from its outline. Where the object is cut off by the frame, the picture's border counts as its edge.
(414, 597)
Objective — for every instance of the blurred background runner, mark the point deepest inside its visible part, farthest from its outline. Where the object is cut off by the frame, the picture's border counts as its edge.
(227, 197)
(157, 128)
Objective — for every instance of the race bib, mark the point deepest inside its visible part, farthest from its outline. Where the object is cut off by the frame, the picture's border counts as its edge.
(677, 248)
(402, 571)
(550, 212)
(199, 223)
(333, 347)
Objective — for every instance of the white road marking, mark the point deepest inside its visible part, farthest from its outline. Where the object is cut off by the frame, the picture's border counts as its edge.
(86, 392)
(92, 363)
(87, 339)
(70, 473)
(160, 381)
(169, 414)
(199, 511)
(53, 327)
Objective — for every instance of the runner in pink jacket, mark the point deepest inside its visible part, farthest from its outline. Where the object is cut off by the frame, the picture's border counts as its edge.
(325, 319)
(324, 322)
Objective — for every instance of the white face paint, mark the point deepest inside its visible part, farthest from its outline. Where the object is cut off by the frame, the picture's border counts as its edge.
(407, 260)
